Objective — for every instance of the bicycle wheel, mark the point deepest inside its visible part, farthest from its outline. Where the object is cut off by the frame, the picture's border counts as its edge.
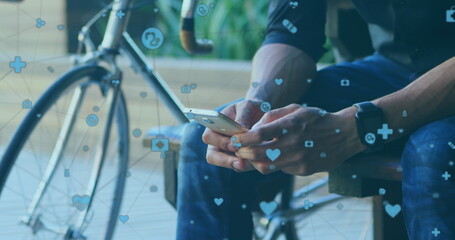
(63, 173)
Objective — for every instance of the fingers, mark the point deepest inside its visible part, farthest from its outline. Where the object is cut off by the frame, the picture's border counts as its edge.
(276, 114)
(271, 125)
(215, 139)
(248, 112)
(222, 159)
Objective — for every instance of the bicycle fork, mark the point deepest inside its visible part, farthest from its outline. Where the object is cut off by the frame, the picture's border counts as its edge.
(33, 218)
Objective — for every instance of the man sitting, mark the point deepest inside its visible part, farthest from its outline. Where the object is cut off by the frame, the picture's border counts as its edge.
(405, 90)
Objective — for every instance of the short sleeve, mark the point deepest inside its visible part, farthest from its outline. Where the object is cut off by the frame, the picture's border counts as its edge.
(299, 23)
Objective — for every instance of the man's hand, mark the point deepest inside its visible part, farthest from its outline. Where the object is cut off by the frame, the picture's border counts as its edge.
(299, 140)
(221, 150)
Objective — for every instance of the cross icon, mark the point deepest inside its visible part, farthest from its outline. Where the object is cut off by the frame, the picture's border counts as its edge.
(385, 131)
(120, 14)
(435, 232)
(17, 64)
(446, 175)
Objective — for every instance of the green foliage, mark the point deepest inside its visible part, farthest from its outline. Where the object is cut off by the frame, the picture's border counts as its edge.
(236, 27)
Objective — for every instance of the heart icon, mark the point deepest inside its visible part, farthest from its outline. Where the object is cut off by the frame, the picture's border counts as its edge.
(278, 81)
(80, 202)
(393, 210)
(273, 154)
(123, 218)
(268, 207)
(218, 201)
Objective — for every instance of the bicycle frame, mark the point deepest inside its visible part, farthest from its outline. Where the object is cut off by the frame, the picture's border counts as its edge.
(116, 38)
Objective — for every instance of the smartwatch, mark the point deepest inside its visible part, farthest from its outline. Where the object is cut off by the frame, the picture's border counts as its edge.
(369, 119)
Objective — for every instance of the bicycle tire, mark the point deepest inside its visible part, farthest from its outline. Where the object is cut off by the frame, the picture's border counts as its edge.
(32, 119)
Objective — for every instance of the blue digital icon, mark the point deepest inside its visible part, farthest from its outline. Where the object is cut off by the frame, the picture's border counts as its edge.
(278, 81)
(85, 148)
(92, 120)
(404, 114)
(393, 210)
(385, 131)
(185, 89)
(273, 154)
(160, 144)
(265, 107)
(190, 115)
(370, 138)
(80, 202)
(27, 104)
(218, 201)
(340, 206)
(446, 175)
(294, 4)
(307, 204)
(382, 191)
(137, 132)
(268, 207)
(152, 38)
(435, 232)
(120, 14)
(289, 26)
(123, 218)
(254, 84)
(450, 15)
(202, 10)
(323, 155)
(96, 108)
(60, 27)
(66, 173)
(17, 64)
(193, 86)
(40, 23)
(309, 144)
(345, 82)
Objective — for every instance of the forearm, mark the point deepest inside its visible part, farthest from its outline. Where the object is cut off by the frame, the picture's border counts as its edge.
(431, 97)
(280, 61)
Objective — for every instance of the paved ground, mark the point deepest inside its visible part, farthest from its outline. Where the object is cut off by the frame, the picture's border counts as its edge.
(150, 217)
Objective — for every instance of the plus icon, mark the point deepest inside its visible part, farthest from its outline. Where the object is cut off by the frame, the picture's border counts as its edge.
(446, 175)
(17, 64)
(120, 14)
(435, 232)
(385, 131)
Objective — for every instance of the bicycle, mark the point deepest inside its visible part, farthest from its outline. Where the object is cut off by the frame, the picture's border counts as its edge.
(97, 76)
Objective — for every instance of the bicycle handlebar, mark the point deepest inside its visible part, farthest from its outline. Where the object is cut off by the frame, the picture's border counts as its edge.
(187, 32)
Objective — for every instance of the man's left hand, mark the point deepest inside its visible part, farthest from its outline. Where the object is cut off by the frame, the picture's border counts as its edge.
(300, 140)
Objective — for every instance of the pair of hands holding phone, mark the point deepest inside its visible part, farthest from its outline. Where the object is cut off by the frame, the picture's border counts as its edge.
(334, 137)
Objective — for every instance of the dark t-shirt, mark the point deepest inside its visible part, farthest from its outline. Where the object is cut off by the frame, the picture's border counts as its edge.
(419, 34)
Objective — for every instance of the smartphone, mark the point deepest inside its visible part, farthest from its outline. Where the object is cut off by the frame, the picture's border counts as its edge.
(215, 121)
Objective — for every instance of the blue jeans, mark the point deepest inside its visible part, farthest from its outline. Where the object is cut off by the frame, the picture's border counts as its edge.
(215, 203)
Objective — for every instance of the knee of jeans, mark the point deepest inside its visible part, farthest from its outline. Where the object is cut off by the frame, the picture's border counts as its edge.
(432, 146)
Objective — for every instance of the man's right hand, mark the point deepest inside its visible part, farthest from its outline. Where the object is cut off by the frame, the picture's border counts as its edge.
(221, 150)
